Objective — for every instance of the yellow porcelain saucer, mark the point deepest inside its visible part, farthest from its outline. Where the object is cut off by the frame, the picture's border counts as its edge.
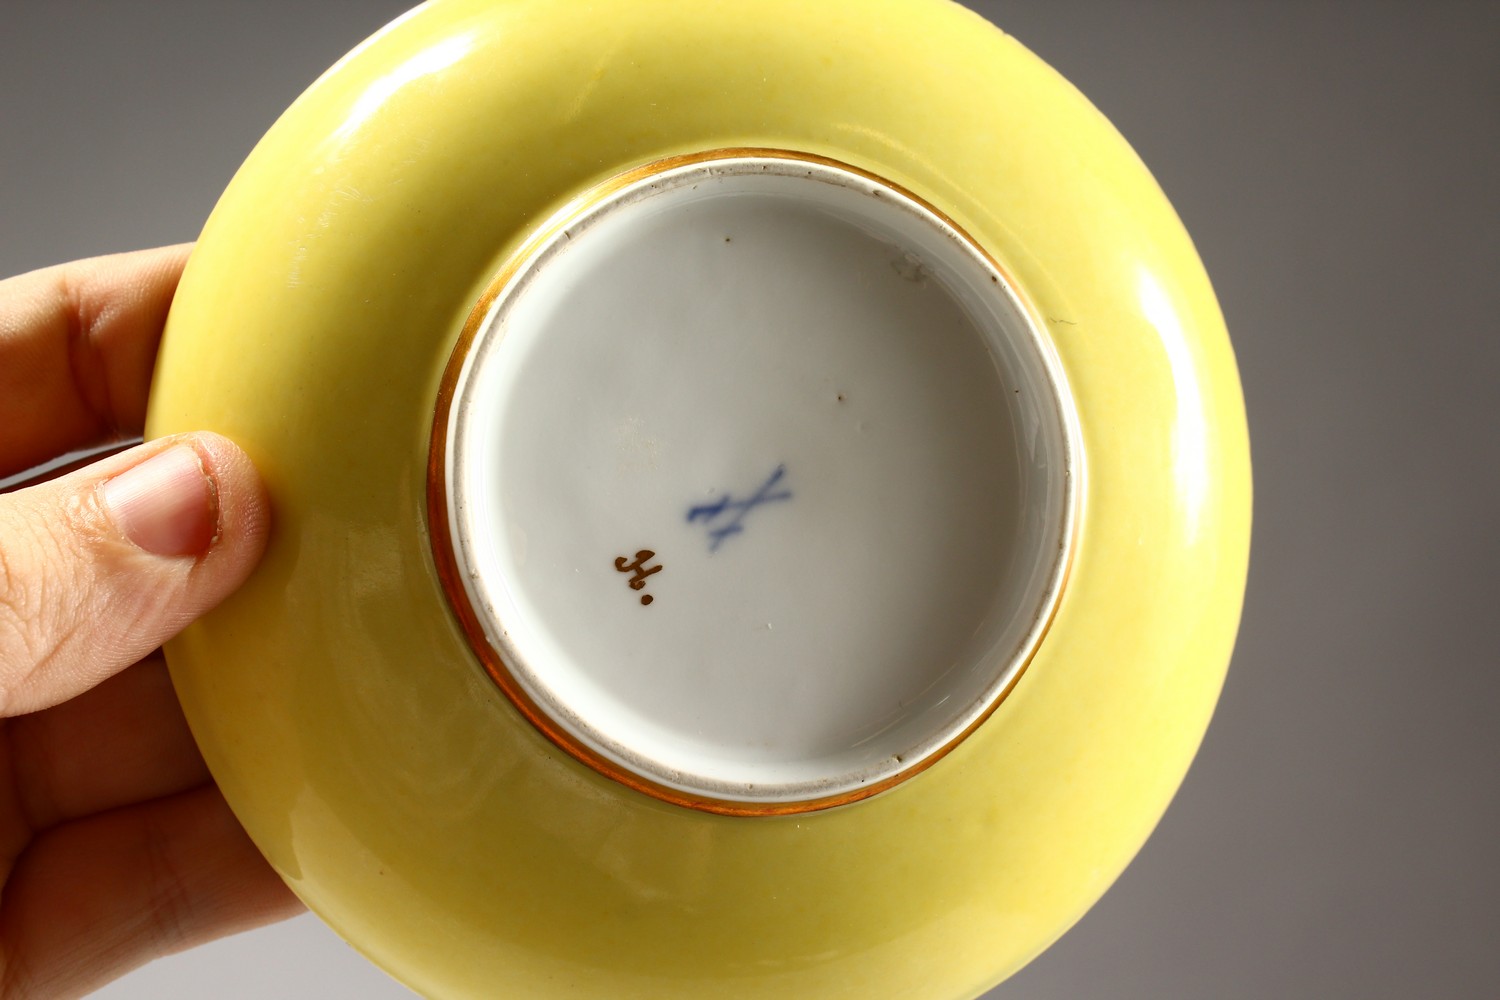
(421, 718)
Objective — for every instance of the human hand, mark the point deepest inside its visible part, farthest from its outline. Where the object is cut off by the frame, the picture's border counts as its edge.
(115, 845)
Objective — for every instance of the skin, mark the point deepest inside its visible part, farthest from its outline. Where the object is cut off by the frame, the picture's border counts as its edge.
(115, 846)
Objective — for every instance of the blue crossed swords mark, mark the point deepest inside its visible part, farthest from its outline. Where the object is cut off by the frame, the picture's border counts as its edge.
(735, 510)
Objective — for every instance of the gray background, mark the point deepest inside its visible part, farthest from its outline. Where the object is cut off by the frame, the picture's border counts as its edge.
(1337, 165)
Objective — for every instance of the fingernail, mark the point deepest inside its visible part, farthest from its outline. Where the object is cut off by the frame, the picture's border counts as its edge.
(168, 505)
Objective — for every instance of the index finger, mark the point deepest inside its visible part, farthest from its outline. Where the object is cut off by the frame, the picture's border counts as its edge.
(77, 346)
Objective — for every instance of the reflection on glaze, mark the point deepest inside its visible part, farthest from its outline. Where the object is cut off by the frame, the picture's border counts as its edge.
(1190, 454)
(429, 62)
(709, 513)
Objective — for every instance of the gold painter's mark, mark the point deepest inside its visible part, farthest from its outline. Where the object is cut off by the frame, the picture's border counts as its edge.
(640, 571)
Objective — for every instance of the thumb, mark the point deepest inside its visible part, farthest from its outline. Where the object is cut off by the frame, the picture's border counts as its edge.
(101, 566)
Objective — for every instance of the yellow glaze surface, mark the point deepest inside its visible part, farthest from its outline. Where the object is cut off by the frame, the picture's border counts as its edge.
(335, 697)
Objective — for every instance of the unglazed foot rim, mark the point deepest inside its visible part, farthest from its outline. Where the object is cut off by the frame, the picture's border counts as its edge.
(754, 482)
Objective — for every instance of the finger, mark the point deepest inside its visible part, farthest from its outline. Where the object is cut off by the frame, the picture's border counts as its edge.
(77, 346)
(95, 898)
(100, 567)
(122, 742)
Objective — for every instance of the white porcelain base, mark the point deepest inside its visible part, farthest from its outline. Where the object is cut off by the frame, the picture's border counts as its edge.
(760, 481)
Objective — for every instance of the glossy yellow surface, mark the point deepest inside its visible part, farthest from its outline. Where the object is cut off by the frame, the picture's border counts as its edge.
(335, 697)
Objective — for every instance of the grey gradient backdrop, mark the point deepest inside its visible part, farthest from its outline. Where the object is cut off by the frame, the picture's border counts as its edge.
(1338, 165)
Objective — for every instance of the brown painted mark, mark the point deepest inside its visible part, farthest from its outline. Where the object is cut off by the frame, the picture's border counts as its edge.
(639, 570)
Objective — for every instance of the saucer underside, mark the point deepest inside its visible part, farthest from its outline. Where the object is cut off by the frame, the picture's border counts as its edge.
(831, 422)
